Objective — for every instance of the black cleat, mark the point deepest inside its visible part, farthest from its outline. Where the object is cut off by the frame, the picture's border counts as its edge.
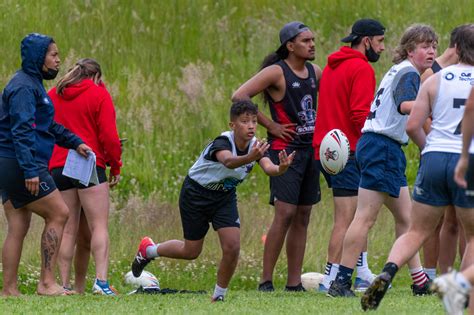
(338, 289)
(375, 292)
(424, 289)
(140, 261)
(266, 286)
(296, 288)
(219, 298)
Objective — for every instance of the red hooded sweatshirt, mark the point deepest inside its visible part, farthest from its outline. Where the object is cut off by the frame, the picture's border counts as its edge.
(346, 91)
(87, 110)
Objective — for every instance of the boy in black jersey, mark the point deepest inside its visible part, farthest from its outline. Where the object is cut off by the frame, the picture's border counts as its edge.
(208, 195)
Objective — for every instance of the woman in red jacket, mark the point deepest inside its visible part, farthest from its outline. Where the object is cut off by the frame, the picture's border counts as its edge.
(83, 104)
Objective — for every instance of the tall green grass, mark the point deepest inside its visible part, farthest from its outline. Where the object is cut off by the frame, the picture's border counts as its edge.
(171, 67)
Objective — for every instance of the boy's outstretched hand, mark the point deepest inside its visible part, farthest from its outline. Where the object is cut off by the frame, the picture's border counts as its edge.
(285, 160)
(258, 150)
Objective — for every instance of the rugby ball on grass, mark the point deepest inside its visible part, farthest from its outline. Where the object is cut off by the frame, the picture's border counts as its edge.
(334, 151)
(146, 279)
(311, 280)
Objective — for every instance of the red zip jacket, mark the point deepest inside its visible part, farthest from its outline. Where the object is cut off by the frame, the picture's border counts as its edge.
(87, 110)
(346, 91)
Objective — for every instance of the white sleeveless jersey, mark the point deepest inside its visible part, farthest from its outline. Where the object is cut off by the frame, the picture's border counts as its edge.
(384, 117)
(455, 84)
(214, 175)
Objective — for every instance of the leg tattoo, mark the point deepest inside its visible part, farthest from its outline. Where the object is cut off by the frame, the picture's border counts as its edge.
(49, 244)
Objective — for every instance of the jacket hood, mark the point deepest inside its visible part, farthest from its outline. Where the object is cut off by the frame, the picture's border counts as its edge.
(72, 91)
(33, 51)
(343, 54)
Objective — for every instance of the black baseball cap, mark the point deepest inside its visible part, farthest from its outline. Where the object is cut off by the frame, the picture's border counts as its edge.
(290, 30)
(364, 27)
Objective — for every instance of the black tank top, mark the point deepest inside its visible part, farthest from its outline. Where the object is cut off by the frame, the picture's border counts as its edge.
(297, 106)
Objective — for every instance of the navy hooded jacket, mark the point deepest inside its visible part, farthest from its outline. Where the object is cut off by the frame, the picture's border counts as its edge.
(27, 129)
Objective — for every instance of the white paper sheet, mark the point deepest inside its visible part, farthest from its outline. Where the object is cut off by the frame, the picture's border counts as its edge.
(81, 168)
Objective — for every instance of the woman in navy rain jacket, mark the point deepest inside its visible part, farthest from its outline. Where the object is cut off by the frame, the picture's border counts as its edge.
(27, 137)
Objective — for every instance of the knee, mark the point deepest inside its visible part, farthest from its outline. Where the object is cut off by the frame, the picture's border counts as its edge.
(60, 214)
(192, 254)
(231, 250)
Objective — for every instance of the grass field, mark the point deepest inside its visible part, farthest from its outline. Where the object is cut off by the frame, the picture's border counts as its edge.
(171, 67)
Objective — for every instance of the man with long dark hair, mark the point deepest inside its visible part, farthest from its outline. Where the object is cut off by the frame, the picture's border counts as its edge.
(289, 84)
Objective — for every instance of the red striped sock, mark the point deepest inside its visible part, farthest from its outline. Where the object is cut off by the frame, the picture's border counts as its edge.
(418, 276)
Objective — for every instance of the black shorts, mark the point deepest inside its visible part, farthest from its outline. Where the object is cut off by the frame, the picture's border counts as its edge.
(299, 185)
(65, 183)
(12, 183)
(199, 206)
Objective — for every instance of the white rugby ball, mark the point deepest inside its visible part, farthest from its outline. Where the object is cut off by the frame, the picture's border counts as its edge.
(146, 279)
(334, 151)
(311, 280)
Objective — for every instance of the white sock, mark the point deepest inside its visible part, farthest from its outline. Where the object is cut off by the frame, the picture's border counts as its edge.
(152, 251)
(363, 271)
(431, 272)
(332, 275)
(219, 291)
(459, 277)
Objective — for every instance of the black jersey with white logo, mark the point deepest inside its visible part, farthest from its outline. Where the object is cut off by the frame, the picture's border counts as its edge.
(297, 106)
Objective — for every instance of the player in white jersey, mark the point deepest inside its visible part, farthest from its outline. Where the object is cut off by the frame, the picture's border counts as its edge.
(208, 195)
(443, 96)
(381, 160)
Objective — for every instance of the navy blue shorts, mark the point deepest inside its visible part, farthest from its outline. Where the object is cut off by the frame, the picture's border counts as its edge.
(64, 183)
(299, 185)
(382, 164)
(12, 183)
(198, 206)
(435, 185)
(346, 183)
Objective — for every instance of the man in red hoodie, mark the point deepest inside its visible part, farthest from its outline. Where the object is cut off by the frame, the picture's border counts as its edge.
(346, 91)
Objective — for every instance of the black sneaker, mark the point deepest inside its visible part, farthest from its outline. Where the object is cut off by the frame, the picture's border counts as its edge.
(266, 286)
(338, 289)
(141, 260)
(296, 288)
(219, 298)
(375, 292)
(424, 289)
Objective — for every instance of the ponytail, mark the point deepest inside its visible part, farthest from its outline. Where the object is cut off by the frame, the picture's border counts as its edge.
(84, 69)
(272, 58)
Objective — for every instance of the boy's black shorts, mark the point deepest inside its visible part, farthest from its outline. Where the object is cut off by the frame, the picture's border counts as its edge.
(470, 176)
(300, 184)
(200, 206)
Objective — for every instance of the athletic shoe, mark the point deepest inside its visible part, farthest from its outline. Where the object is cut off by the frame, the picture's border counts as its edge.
(322, 288)
(424, 289)
(297, 288)
(266, 286)
(140, 261)
(453, 295)
(338, 289)
(375, 292)
(103, 288)
(219, 298)
(361, 285)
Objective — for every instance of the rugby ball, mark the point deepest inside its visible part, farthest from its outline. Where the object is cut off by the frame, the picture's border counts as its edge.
(146, 279)
(311, 280)
(334, 151)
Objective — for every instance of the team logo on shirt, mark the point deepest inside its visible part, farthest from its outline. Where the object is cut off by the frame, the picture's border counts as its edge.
(295, 85)
(307, 115)
(449, 76)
